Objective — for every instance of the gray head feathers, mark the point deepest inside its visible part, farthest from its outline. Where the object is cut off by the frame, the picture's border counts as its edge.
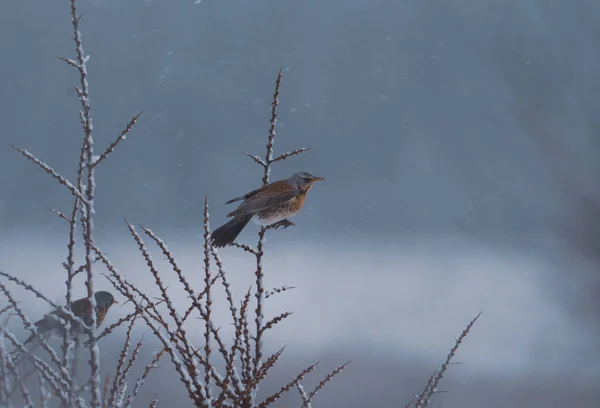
(303, 179)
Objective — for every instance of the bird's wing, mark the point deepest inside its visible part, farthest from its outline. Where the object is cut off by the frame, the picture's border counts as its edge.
(83, 309)
(264, 200)
(47, 326)
(245, 196)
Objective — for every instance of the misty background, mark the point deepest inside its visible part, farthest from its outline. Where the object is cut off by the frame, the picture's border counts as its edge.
(460, 145)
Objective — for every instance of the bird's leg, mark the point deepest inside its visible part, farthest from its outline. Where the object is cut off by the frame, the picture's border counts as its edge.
(283, 223)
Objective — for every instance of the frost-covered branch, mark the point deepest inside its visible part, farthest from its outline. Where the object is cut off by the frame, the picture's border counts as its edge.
(122, 136)
(424, 398)
(88, 216)
(52, 172)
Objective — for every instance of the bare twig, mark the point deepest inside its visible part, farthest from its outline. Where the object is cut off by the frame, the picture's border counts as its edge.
(5, 309)
(264, 369)
(259, 301)
(287, 387)
(305, 401)
(256, 159)
(226, 285)
(140, 381)
(157, 279)
(53, 173)
(69, 61)
(87, 202)
(275, 291)
(123, 380)
(4, 362)
(29, 288)
(296, 152)
(324, 381)
(120, 363)
(113, 326)
(423, 399)
(122, 136)
(246, 248)
(271, 138)
(61, 215)
(207, 298)
(245, 332)
(271, 323)
(18, 379)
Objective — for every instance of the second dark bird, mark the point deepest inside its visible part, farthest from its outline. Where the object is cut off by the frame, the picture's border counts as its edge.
(53, 324)
(50, 326)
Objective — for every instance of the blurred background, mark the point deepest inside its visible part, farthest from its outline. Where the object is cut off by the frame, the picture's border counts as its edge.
(460, 145)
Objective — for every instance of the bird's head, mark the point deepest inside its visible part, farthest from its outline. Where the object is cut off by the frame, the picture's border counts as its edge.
(104, 299)
(303, 180)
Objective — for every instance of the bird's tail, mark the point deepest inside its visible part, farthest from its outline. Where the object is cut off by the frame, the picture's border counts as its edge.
(227, 233)
(18, 356)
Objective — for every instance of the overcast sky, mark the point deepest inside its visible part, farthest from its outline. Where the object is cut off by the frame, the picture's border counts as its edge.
(461, 150)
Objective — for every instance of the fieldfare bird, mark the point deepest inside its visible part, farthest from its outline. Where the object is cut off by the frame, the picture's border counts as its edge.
(51, 326)
(267, 205)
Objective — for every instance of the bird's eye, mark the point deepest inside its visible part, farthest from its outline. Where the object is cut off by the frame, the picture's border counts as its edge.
(306, 180)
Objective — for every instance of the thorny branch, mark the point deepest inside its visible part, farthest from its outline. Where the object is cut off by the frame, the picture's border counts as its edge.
(431, 387)
(122, 136)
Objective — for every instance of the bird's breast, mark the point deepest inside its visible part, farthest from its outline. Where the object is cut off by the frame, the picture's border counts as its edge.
(264, 221)
(279, 212)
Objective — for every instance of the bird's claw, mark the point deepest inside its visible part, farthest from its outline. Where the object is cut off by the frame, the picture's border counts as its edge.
(282, 223)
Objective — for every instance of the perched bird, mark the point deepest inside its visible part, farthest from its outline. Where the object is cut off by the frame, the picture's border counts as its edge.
(50, 326)
(267, 205)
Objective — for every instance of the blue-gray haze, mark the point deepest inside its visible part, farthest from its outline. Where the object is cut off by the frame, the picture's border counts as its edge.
(460, 141)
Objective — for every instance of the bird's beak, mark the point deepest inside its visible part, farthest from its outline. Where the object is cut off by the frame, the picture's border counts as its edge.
(115, 302)
(318, 179)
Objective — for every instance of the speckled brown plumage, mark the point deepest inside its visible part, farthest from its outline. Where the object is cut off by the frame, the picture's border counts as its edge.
(49, 326)
(267, 205)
